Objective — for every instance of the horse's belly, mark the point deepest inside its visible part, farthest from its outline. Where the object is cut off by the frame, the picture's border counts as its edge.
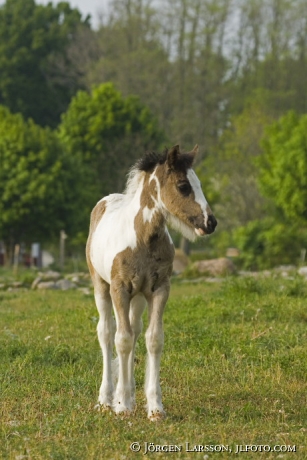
(102, 259)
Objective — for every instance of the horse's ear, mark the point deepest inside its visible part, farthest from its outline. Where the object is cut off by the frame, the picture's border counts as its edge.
(194, 152)
(172, 156)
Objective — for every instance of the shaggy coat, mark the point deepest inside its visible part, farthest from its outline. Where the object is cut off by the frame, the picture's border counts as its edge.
(130, 255)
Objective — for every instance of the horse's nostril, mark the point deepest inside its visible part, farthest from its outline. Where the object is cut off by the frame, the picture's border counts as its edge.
(212, 222)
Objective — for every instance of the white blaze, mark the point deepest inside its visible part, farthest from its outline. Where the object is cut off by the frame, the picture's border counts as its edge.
(199, 196)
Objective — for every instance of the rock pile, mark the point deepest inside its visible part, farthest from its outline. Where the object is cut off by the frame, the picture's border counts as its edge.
(51, 280)
(215, 267)
(212, 270)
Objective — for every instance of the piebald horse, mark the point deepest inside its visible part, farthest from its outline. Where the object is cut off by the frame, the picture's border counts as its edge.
(130, 255)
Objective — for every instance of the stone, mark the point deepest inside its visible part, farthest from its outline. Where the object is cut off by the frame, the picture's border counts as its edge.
(75, 279)
(85, 290)
(17, 284)
(49, 276)
(215, 267)
(79, 278)
(44, 285)
(36, 282)
(181, 261)
(285, 268)
(17, 289)
(65, 285)
(246, 273)
(302, 271)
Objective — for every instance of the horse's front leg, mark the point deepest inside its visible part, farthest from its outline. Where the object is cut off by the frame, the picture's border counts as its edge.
(154, 344)
(105, 330)
(124, 340)
(137, 306)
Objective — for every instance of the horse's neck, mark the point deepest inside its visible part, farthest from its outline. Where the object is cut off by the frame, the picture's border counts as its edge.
(150, 220)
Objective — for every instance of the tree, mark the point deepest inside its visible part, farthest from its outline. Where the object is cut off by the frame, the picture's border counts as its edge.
(268, 242)
(33, 41)
(172, 58)
(130, 53)
(38, 183)
(107, 133)
(270, 54)
(232, 173)
(283, 166)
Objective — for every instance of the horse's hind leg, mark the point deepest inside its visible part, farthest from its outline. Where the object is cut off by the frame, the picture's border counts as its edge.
(106, 331)
(137, 306)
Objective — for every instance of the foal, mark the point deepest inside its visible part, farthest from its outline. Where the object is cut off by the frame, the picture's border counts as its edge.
(130, 255)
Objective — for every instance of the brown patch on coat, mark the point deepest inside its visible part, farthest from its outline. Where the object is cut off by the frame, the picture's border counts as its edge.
(179, 205)
(143, 269)
(149, 265)
(96, 216)
(149, 193)
(144, 229)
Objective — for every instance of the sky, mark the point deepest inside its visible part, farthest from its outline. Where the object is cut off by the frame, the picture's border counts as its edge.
(86, 7)
(92, 7)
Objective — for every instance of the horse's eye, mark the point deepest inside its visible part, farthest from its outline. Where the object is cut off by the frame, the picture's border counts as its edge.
(184, 188)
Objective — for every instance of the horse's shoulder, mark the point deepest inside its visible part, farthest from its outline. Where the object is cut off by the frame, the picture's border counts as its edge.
(97, 213)
(112, 203)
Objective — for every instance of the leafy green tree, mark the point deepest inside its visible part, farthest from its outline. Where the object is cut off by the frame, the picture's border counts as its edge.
(271, 53)
(38, 182)
(283, 167)
(33, 43)
(171, 57)
(279, 234)
(266, 243)
(107, 133)
(231, 173)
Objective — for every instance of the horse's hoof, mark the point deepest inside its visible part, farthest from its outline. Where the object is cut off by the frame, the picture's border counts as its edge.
(157, 415)
(103, 407)
(123, 413)
(122, 410)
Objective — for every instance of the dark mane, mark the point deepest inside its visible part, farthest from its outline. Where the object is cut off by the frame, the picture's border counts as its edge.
(150, 160)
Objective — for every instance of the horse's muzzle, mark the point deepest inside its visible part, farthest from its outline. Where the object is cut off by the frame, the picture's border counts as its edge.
(204, 229)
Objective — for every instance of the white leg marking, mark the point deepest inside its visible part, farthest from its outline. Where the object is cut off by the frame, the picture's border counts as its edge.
(122, 402)
(124, 338)
(154, 343)
(137, 306)
(105, 330)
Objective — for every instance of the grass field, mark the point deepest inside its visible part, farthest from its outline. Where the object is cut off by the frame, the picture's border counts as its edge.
(234, 372)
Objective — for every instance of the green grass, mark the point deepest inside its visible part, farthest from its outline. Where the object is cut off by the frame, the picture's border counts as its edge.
(234, 371)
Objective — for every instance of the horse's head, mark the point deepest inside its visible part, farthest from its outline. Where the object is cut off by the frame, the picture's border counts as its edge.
(181, 193)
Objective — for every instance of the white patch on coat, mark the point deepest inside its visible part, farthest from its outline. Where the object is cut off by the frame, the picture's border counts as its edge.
(148, 214)
(134, 178)
(115, 232)
(169, 236)
(158, 186)
(181, 227)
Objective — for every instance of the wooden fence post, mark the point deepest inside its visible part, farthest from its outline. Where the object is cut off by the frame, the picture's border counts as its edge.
(16, 258)
(63, 237)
